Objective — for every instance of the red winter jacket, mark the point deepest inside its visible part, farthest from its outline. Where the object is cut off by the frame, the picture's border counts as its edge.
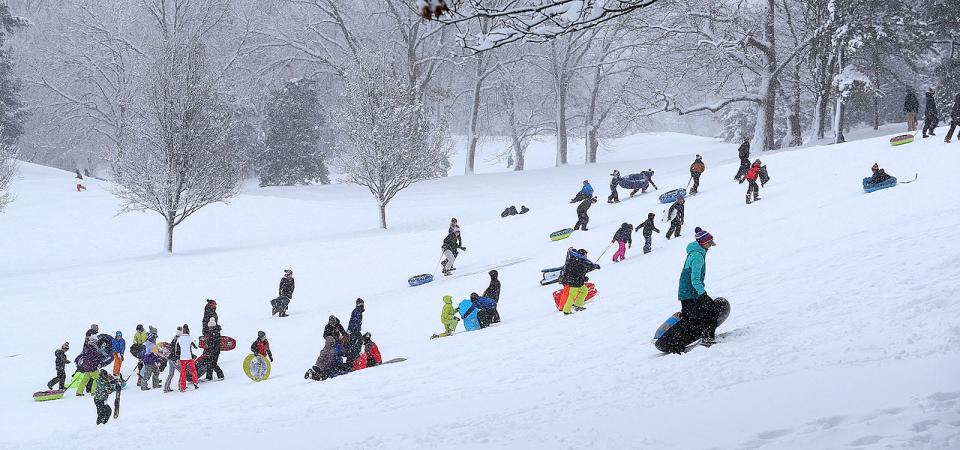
(360, 362)
(369, 358)
(754, 172)
(374, 353)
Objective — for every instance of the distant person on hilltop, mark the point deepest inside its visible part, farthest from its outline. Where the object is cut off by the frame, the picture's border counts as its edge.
(931, 117)
(696, 169)
(744, 153)
(911, 106)
(954, 119)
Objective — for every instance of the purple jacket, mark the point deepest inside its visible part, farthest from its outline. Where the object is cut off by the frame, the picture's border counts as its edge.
(149, 350)
(89, 359)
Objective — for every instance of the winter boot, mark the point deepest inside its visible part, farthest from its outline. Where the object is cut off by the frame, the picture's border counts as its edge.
(579, 308)
(748, 199)
(756, 196)
(524, 209)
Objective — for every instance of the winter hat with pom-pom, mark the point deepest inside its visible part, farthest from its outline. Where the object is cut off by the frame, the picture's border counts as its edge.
(703, 237)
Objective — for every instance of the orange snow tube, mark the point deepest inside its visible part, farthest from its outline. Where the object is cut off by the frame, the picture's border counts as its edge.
(560, 295)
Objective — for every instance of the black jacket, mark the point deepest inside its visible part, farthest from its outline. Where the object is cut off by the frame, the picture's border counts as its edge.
(648, 227)
(931, 113)
(614, 182)
(744, 151)
(213, 343)
(175, 349)
(286, 287)
(678, 208)
(879, 176)
(493, 291)
(335, 331)
(61, 359)
(955, 112)
(208, 312)
(625, 233)
(575, 269)
(452, 243)
(911, 104)
(585, 204)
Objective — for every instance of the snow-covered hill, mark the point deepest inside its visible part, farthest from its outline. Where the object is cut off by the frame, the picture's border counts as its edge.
(844, 328)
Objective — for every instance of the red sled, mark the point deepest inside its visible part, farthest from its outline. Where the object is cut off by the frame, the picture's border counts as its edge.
(226, 343)
(559, 297)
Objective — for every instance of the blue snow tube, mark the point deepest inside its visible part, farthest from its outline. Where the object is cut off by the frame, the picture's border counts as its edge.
(869, 187)
(672, 196)
(470, 322)
(417, 280)
(633, 181)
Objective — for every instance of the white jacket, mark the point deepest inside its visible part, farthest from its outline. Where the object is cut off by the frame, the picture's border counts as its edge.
(184, 341)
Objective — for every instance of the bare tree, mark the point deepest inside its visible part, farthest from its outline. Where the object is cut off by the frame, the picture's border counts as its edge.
(181, 162)
(8, 169)
(391, 142)
(522, 118)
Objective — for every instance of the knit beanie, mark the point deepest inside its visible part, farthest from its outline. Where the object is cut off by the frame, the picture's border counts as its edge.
(703, 236)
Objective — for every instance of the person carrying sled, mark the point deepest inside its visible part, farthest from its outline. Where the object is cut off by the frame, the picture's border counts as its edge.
(647, 175)
(648, 227)
(582, 217)
(88, 364)
(698, 315)
(209, 310)
(151, 364)
(614, 182)
(954, 119)
(107, 385)
(211, 354)
(448, 318)
(753, 189)
(173, 360)
(585, 192)
(119, 347)
(624, 238)
(59, 362)
(931, 117)
(188, 364)
(325, 367)
(675, 215)
(261, 346)
(452, 244)
(744, 153)
(911, 106)
(493, 291)
(282, 302)
(574, 279)
(696, 169)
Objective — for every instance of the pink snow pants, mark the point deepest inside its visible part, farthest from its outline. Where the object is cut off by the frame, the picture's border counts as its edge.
(621, 253)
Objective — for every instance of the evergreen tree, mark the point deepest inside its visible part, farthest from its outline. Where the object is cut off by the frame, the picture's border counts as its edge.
(12, 115)
(294, 152)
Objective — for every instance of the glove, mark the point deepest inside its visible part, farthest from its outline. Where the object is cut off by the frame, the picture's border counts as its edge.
(463, 248)
(271, 359)
(597, 266)
(704, 296)
(457, 319)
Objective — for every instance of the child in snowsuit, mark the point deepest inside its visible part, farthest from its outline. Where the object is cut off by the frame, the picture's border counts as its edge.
(614, 195)
(60, 360)
(119, 348)
(370, 356)
(879, 175)
(261, 346)
(648, 229)
(448, 318)
(753, 189)
(582, 217)
(107, 385)
(696, 169)
(574, 279)
(623, 237)
(675, 214)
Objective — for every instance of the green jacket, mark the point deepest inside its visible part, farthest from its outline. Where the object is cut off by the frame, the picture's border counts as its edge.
(694, 271)
(139, 337)
(447, 315)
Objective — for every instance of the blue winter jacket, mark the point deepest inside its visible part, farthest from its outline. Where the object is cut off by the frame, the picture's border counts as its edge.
(486, 303)
(694, 270)
(356, 318)
(469, 314)
(587, 190)
(119, 345)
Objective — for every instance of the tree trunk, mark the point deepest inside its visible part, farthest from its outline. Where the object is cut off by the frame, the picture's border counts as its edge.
(876, 112)
(518, 152)
(796, 133)
(473, 132)
(764, 133)
(591, 142)
(838, 121)
(383, 216)
(561, 123)
(168, 244)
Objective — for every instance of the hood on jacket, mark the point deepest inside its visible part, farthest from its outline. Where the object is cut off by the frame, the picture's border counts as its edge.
(448, 299)
(119, 334)
(695, 247)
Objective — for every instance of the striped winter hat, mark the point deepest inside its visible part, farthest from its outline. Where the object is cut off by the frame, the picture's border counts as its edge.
(703, 236)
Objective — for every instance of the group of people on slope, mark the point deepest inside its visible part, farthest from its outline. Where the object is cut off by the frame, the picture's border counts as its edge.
(477, 312)
(931, 114)
(345, 350)
(751, 173)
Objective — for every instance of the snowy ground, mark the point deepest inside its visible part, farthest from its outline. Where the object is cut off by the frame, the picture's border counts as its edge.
(844, 327)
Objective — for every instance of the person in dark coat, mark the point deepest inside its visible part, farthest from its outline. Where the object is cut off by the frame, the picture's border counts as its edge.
(282, 302)
(324, 367)
(261, 346)
(487, 309)
(744, 153)
(675, 214)
(210, 310)
(648, 175)
(451, 246)
(624, 238)
(582, 217)
(106, 384)
(335, 330)
(353, 331)
(211, 354)
(954, 119)
(696, 169)
(911, 106)
(614, 182)
(574, 279)
(879, 175)
(60, 361)
(648, 227)
(931, 117)
(493, 291)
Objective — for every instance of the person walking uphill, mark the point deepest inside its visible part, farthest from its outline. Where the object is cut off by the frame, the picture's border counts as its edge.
(954, 119)
(282, 302)
(574, 278)
(648, 229)
(675, 215)
(698, 317)
(585, 192)
(119, 347)
(753, 189)
(911, 106)
(931, 117)
(696, 169)
(614, 182)
(188, 364)
(451, 246)
(744, 153)
(107, 385)
(582, 217)
(60, 361)
(209, 310)
(623, 237)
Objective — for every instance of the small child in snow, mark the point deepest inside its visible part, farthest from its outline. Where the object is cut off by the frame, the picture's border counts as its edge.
(623, 237)
(60, 360)
(261, 346)
(106, 385)
(648, 227)
(448, 318)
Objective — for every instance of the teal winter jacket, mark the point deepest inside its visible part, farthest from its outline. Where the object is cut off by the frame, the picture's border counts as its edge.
(694, 270)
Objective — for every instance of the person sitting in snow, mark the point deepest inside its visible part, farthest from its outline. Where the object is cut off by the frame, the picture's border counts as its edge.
(585, 192)
(623, 237)
(614, 182)
(648, 227)
(325, 366)
(60, 361)
(370, 356)
(335, 330)
(574, 279)
(879, 175)
(261, 346)
(448, 318)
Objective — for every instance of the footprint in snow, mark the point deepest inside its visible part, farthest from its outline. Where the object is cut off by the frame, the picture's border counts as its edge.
(866, 440)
